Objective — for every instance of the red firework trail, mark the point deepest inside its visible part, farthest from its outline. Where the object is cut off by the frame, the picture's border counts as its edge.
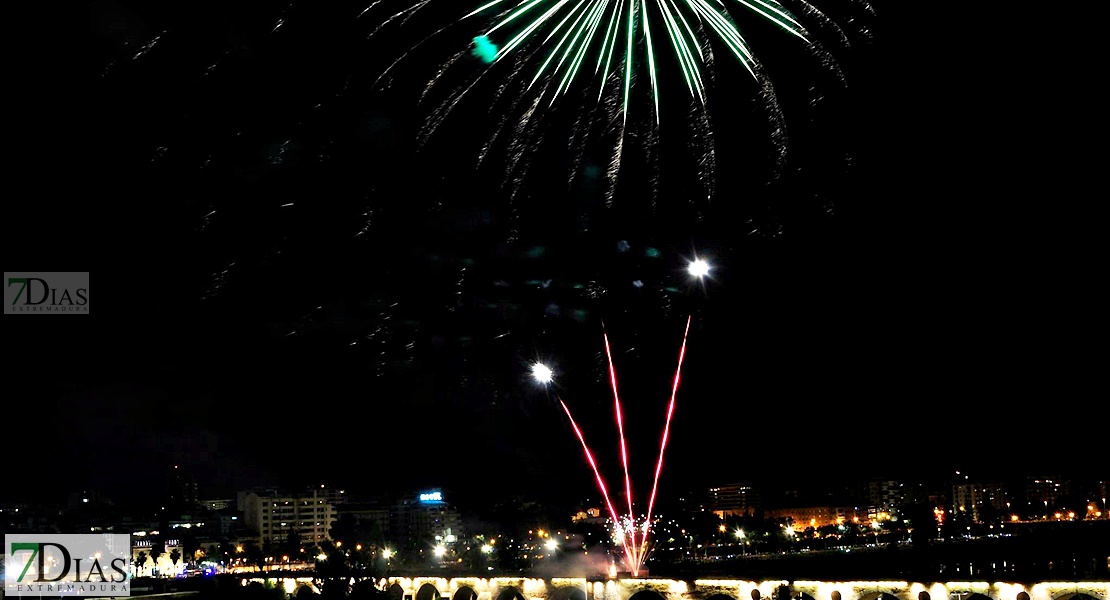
(597, 473)
(624, 448)
(666, 434)
(634, 556)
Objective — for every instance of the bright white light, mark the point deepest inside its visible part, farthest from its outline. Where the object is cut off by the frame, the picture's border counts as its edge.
(698, 268)
(542, 373)
(552, 545)
(486, 549)
(321, 556)
(387, 554)
(440, 551)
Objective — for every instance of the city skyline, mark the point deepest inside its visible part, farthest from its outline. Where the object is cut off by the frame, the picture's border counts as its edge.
(174, 496)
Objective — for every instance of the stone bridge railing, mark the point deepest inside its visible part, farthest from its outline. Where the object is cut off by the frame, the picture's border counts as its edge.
(581, 588)
(570, 588)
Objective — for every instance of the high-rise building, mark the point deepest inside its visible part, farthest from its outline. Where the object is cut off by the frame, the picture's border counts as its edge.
(181, 489)
(218, 503)
(802, 517)
(894, 496)
(734, 499)
(275, 514)
(980, 500)
(334, 496)
(1042, 494)
(426, 519)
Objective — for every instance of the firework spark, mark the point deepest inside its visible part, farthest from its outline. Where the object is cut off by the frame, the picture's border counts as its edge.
(531, 53)
(625, 528)
(600, 27)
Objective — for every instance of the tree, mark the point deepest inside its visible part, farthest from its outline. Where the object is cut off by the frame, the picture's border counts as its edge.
(156, 550)
(291, 545)
(366, 589)
(225, 550)
(921, 519)
(140, 561)
(333, 572)
(348, 530)
(175, 557)
(254, 555)
(190, 545)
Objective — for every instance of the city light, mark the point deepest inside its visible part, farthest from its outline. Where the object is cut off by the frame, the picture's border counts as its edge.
(552, 545)
(431, 497)
(321, 556)
(486, 548)
(387, 554)
(440, 551)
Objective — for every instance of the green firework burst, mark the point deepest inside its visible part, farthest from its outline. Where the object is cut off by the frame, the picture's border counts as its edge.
(580, 34)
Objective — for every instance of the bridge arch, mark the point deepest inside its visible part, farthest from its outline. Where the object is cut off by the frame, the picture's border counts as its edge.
(647, 595)
(507, 592)
(465, 592)
(427, 592)
(1075, 596)
(395, 592)
(568, 592)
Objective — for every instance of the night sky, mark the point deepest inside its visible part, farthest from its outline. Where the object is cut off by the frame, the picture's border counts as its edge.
(290, 291)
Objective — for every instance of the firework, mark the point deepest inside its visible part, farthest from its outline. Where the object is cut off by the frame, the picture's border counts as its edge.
(573, 30)
(626, 527)
(526, 55)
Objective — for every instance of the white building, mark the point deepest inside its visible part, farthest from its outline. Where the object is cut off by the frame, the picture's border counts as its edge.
(164, 565)
(275, 515)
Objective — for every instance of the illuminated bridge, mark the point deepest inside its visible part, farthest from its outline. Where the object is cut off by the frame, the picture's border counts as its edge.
(580, 588)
